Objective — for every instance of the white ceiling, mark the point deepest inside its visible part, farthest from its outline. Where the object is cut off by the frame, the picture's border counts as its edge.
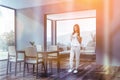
(19, 4)
(72, 15)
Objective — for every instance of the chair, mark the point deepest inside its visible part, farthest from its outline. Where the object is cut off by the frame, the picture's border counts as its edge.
(54, 57)
(13, 57)
(39, 47)
(31, 57)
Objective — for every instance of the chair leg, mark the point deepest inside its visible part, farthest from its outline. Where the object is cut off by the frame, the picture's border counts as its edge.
(37, 71)
(20, 67)
(33, 68)
(58, 66)
(24, 69)
(7, 66)
(27, 68)
(50, 63)
(15, 68)
(43, 66)
(10, 66)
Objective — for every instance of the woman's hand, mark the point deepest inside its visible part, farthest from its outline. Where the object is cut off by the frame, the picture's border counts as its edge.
(79, 39)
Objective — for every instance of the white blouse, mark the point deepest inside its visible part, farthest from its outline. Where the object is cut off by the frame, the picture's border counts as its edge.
(74, 41)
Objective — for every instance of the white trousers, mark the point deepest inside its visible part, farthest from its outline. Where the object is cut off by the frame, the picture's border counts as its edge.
(75, 52)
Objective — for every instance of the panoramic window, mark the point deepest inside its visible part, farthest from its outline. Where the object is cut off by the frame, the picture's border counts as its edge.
(63, 28)
(7, 33)
(87, 32)
(48, 32)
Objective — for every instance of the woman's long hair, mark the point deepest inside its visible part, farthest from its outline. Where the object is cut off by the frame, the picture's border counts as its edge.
(78, 29)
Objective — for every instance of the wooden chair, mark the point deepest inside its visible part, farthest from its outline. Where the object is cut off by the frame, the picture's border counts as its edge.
(31, 57)
(39, 49)
(13, 57)
(53, 57)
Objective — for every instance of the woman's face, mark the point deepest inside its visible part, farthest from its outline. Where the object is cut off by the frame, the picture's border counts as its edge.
(75, 28)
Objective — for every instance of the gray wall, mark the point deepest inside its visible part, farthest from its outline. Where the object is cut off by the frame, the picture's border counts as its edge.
(100, 33)
(29, 28)
(115, 33)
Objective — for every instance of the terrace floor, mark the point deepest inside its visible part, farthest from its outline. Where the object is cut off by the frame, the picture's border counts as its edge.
(88, 70)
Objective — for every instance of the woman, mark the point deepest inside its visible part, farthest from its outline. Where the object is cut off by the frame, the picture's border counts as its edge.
(75, 48)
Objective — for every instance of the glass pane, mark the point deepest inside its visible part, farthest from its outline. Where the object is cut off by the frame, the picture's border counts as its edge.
(48, 32)
(7, 33)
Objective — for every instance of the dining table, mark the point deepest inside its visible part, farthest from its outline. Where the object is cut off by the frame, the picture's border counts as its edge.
(45, 54)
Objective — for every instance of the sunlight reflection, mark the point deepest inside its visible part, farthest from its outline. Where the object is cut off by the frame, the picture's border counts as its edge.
(106, 35)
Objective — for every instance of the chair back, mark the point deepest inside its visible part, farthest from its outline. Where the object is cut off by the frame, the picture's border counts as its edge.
(11, 50)
(53, 47)
(31, 52)
(39, 48)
